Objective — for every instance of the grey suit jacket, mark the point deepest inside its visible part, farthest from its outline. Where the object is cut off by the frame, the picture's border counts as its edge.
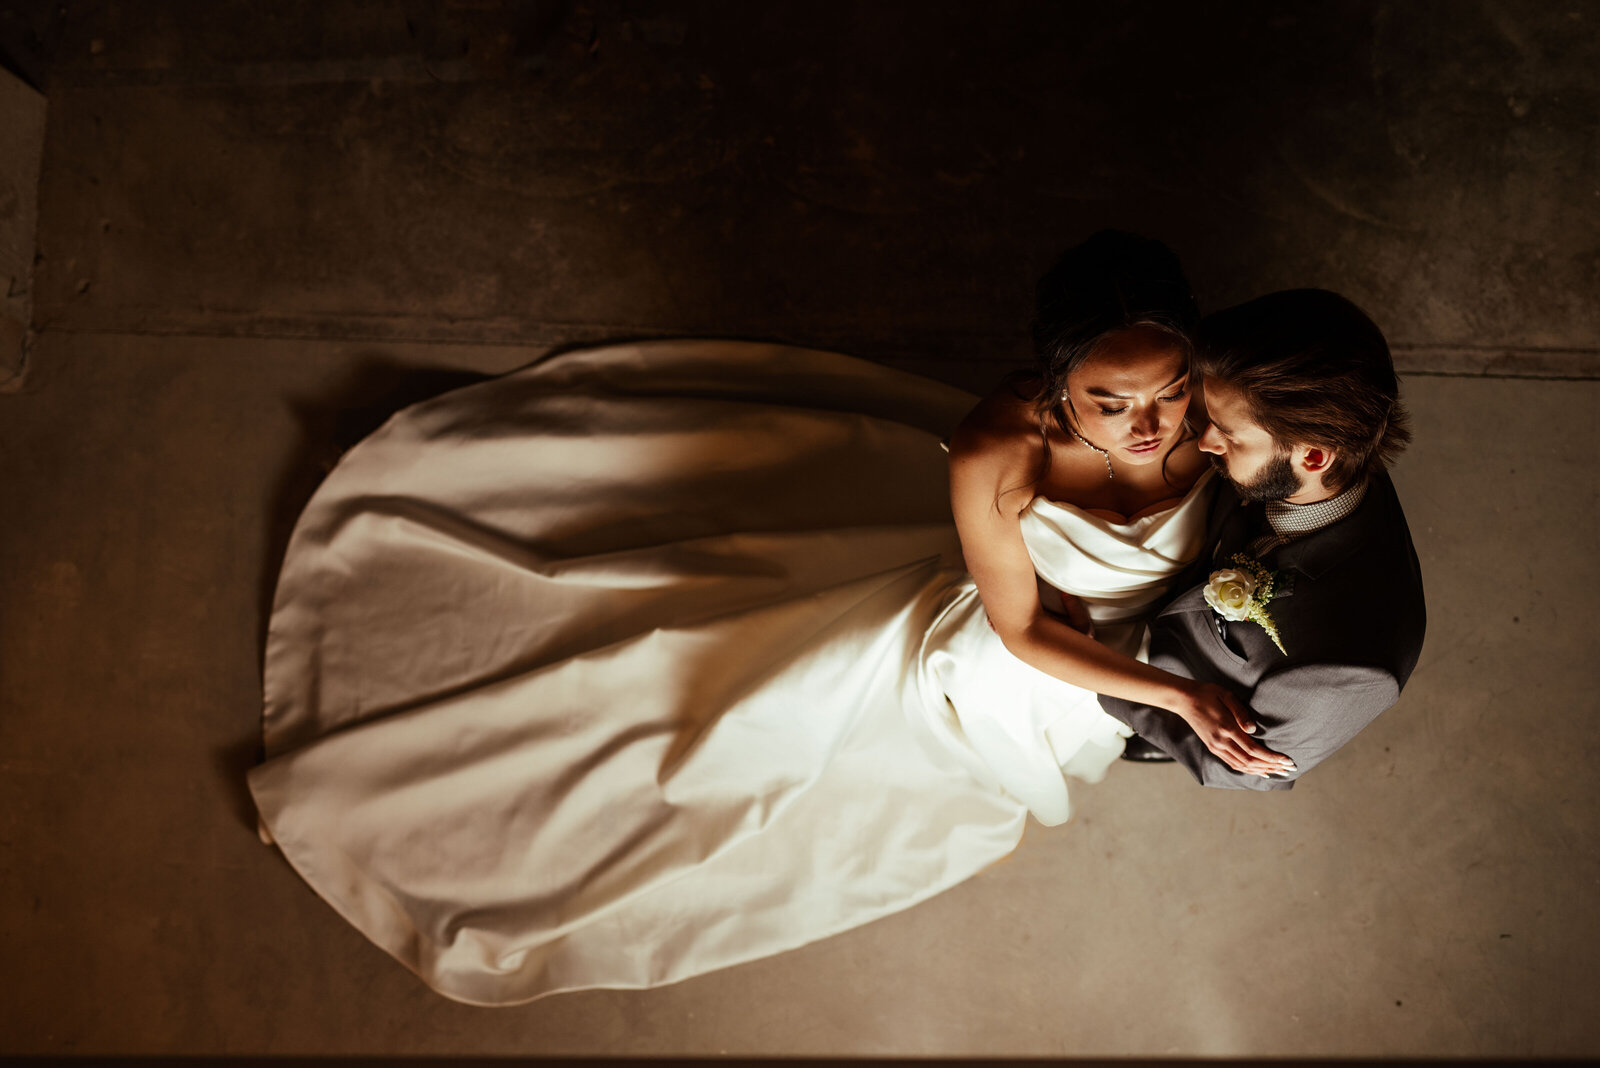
(1352, 620)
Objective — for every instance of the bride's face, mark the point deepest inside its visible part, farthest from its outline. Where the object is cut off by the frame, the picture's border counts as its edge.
(1131, 395)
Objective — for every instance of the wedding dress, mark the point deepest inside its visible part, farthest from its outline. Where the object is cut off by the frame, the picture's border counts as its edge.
(652, 659)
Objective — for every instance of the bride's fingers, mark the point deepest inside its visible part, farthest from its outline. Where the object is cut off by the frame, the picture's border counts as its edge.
(1237, 762)
(1237, 712)
(1262, 753)
(1254, 765)
(1257, 750)
(1229, 740)
(1241, 714)
(1278, 761)
(1232, 755)
(1243, 746)
(1258, 766)
(1246, 761)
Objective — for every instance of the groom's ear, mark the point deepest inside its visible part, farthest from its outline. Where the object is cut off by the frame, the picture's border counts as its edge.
(1314, 459)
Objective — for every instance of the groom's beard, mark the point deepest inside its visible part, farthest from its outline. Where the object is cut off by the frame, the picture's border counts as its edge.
(1275, 481)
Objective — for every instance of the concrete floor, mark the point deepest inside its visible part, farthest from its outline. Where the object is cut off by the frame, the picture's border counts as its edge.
(260, 234)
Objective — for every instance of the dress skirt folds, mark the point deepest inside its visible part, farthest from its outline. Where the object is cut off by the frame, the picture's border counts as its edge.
(655, 658)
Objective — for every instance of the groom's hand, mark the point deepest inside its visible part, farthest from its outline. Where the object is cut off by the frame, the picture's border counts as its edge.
(1225, 725)
(1077, 614)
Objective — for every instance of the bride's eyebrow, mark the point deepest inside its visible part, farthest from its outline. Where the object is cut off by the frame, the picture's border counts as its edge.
(1096, 391)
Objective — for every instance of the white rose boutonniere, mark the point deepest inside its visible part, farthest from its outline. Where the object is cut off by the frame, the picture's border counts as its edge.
(1241, 593)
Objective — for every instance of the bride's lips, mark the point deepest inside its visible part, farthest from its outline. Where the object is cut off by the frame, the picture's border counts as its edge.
(1146, 446)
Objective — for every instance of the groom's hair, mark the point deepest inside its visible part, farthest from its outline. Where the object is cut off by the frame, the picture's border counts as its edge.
(1315, 370)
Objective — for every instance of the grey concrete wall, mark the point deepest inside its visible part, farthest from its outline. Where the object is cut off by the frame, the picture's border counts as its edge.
(502, 172)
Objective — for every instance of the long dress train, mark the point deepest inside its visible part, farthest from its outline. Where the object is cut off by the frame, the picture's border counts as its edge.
(651, 659)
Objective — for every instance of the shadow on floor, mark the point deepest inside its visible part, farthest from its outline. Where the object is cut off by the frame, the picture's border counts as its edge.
(329, 426)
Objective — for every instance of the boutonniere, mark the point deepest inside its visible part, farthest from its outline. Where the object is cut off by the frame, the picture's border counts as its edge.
(1241, 593)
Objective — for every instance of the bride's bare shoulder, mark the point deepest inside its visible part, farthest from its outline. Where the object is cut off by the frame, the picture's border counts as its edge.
(1001, 419)
(998, 441)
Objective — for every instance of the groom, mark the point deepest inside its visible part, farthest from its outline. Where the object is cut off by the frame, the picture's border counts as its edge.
(1303, 402)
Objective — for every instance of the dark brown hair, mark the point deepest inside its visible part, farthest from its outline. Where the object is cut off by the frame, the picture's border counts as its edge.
(1315, 370)
(1112, 282)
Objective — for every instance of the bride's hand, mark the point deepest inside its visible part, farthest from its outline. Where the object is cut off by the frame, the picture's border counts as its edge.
(1224, 724)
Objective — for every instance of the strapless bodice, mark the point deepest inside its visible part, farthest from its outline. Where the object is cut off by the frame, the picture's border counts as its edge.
(1117, 568)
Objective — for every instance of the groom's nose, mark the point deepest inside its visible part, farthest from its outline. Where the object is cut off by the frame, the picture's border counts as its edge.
(1210, 440)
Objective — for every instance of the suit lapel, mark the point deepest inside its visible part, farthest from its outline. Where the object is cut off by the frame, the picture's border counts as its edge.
(1226, 526)
(1191, 600)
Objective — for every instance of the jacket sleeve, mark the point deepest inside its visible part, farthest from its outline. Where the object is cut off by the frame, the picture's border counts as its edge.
(1305, 712)
(1309, 711)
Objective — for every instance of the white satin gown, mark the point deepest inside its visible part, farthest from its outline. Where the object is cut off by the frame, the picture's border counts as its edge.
(651, 659)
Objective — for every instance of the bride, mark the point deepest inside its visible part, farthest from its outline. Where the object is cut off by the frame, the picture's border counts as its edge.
(651, 659)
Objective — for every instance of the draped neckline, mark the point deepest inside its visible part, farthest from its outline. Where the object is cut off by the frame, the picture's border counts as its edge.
(1161, 507)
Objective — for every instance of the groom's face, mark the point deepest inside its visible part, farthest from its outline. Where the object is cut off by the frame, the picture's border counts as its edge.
(1245, 453)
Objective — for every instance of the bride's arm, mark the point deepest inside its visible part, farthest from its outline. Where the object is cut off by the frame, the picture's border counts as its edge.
(992, 471)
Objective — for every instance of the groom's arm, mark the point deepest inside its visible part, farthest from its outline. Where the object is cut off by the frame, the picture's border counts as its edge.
(1307, 712)
(1310, 711)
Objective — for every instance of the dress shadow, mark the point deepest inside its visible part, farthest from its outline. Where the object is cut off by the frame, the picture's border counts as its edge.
(329, 426)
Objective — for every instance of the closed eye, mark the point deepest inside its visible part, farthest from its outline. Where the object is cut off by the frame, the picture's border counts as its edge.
(1169, 398)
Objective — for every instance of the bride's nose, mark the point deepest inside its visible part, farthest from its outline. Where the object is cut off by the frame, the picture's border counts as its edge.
(1146, 422)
